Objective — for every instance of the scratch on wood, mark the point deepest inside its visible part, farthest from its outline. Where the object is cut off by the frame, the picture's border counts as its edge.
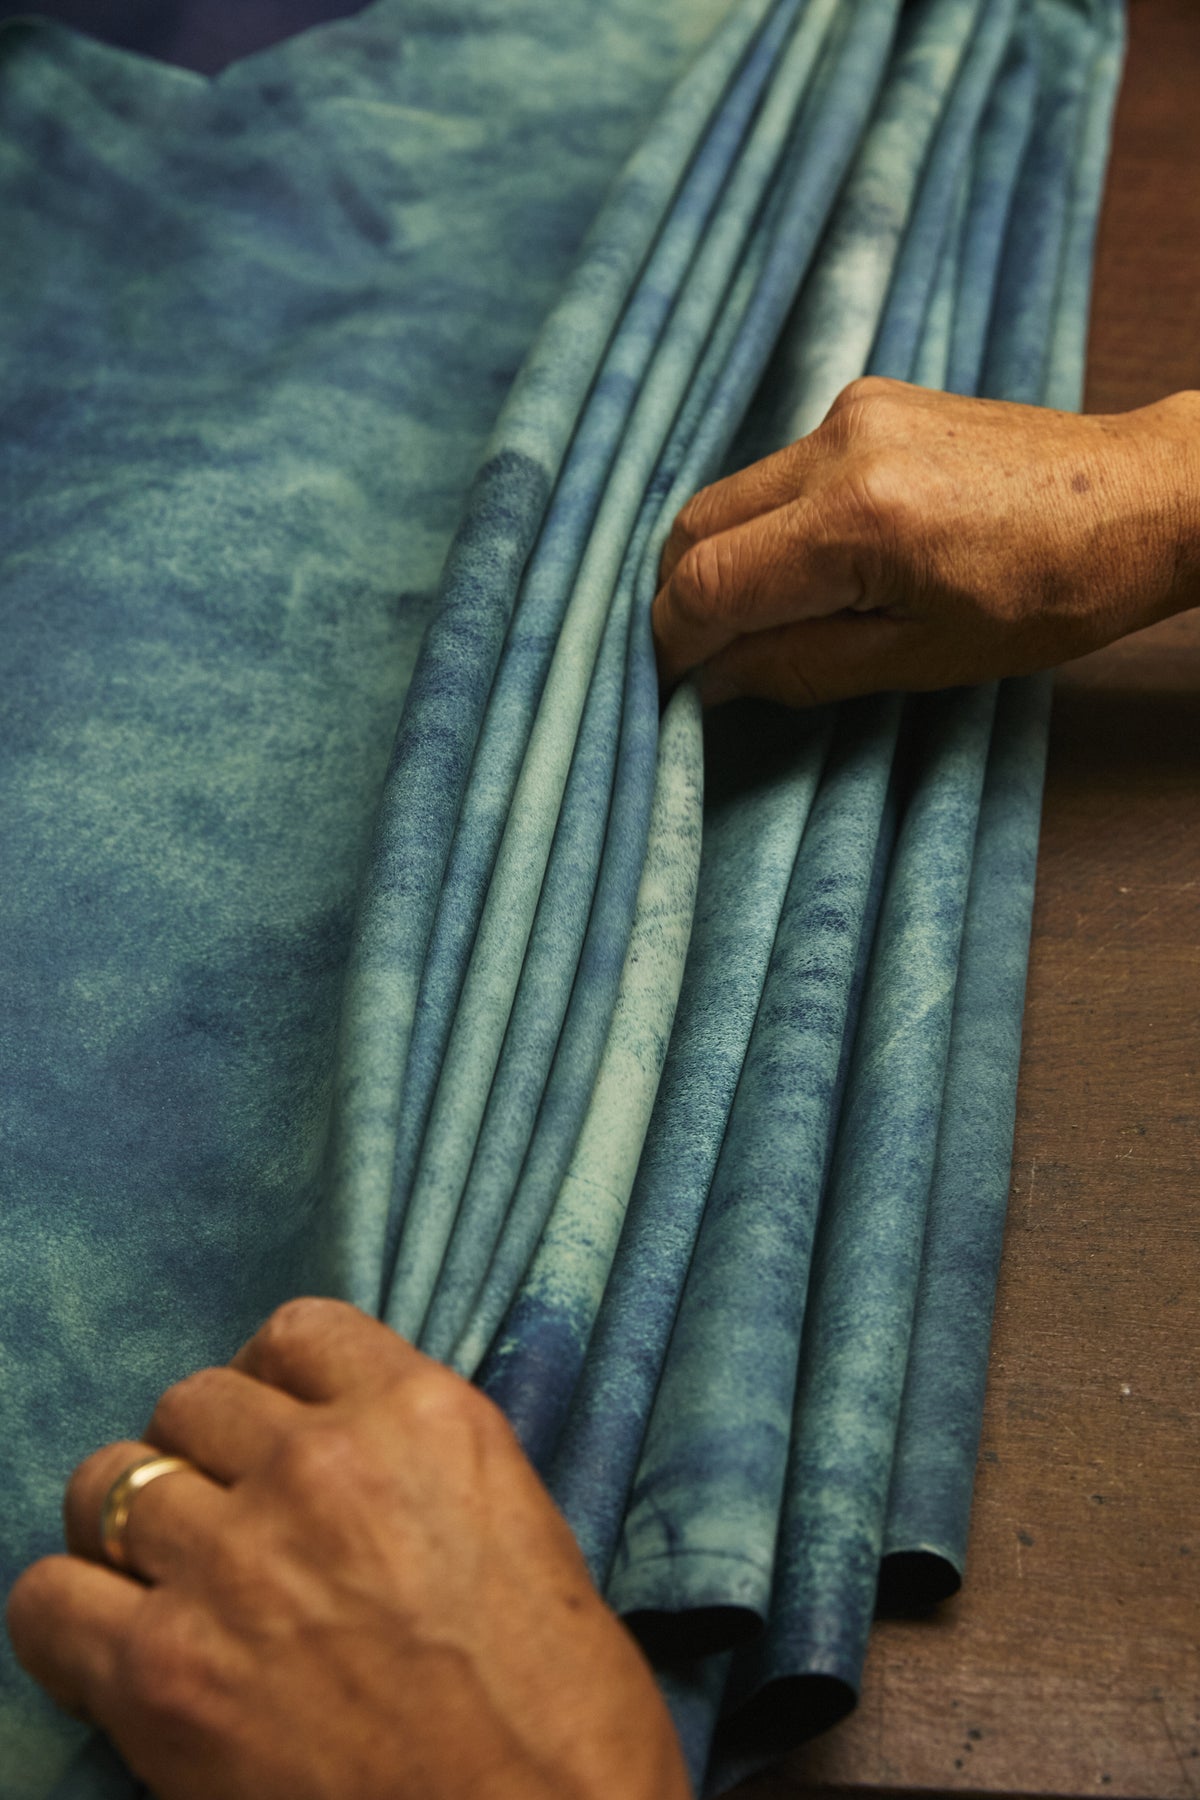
(1189, 1786)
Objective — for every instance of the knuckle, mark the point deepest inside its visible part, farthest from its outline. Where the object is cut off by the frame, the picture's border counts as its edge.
(880, 489)
(867, 390)
(437, 1398)
(692, 523)
(863, 409)
(166, 1673)
(699, 582)
(321, 1458)
(181, 1400)
(299, 1318)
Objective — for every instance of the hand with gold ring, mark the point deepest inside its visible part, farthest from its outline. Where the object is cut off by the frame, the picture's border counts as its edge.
(329, 1573)
(114, 1514)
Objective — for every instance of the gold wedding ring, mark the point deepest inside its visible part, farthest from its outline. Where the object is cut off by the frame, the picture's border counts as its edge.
(114, 1514)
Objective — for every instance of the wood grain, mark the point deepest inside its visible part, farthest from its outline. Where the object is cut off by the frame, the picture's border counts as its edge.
(1070, 1664)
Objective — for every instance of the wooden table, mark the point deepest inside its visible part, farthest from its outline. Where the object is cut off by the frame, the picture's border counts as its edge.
(1070, 1663)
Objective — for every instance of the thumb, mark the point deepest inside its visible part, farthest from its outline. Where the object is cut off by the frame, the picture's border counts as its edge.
(818, 661)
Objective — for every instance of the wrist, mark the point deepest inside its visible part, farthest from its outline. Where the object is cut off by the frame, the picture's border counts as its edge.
(1171, 429)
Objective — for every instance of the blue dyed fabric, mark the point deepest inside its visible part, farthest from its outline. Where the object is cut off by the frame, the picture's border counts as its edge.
(369, 932)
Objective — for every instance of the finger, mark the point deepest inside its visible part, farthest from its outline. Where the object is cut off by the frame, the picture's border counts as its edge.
(67, 1620)
(761, 487)
(801, 470)
(321, 1349)
(822, 660)
(787, 565)
(174, 1522)
(222, 1420)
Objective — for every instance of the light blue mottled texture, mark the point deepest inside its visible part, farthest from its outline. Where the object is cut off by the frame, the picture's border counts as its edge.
(699, 1539)
(510, 808)
(276, 316)
(536, 1356)
(999, 152)
(699, 1534)
(917, 267)
(736, 352)
(760, 792)
(804, 1673)
(692, 1144)
(443, 711)
(929, 1503)
(498, 953)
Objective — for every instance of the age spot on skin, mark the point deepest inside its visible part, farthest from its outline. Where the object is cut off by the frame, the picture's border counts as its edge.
(1081, 484)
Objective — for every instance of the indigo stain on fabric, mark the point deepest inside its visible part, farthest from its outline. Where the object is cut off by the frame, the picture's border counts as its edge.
(369, 932)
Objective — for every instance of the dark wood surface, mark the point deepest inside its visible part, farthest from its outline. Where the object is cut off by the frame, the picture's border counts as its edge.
(1070, 1665)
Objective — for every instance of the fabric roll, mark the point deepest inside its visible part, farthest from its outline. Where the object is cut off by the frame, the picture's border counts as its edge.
(931, 363)
(446, 698)
(917, 268)
(780, 1687)
(492, 885)
(842, 85)
(864, 1275)
(548, 1325)
(699, 1539)
(582, 1056)
(929, 1503)
(498, 954)
(933, 1465)
(755, 814)
(582, 1493)
(995, 167)
(843, 94)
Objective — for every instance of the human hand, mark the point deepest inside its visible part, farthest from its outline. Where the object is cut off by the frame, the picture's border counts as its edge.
(361, 1590)
(919, 540)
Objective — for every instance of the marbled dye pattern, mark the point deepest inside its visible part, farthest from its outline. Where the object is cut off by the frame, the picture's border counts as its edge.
(694, 1148)
(531, 1367)
(930, 1498)
(276, 315)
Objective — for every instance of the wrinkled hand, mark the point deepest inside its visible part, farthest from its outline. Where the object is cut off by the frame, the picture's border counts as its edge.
(362, 1591)
(918, 540)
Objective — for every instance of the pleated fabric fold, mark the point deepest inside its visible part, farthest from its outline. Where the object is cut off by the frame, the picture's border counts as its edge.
(674, 1079)
(767, 1413)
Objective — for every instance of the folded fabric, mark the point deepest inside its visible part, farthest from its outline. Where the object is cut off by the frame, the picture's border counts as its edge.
(657, 1074)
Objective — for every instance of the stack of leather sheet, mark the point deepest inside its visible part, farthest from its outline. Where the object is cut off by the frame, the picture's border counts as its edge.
(655, 1071)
